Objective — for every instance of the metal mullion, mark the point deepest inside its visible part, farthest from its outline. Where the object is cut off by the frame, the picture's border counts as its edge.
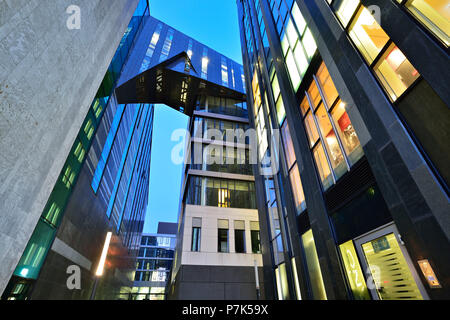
(352, 18)
(304, 118)
(380, 54)
(327, 109)
(333, 175)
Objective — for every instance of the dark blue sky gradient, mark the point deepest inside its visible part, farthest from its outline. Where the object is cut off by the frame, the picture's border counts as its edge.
(213, 23)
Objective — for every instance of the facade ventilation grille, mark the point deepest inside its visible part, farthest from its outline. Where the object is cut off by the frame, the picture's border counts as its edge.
(359, 179)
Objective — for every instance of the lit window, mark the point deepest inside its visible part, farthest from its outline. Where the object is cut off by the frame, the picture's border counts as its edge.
(341, 151)
(288, 146)
(97, 108)
(395, 72)
(291, 33)
(322, 166)
(345, 10)
(309, 43)
(328, 88)
(346, 132)
(281, 113)
(312, 262)
(68, 177)
(300, 58)
(297, 189)
(311, 129)
(330, 141)
(293, 72)
(79, 152)
(298, 18)
(89, 129)
(275, 87)
(434, 14)
(367, 34)
(223, 198)
(52, 214)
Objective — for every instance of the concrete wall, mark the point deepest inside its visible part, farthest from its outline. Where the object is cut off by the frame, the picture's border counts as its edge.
(208, 254)
(216, 283)
(48, 78)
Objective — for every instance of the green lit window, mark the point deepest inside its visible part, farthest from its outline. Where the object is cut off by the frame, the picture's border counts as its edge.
(52, 214)
(312, 261)
(298, 46)
(89, 129)
(97, 108)
(68, 177)
(275, 87)
(354, 274)
(79, 152)
(281, 113)
(34, 255)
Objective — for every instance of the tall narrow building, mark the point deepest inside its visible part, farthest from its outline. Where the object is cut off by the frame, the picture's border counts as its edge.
(359, 92)
(218, 245)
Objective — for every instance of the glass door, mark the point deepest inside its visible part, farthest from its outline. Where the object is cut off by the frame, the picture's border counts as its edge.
(390, 273)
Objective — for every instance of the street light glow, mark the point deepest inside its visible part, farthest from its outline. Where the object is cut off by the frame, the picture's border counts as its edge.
(101, 264)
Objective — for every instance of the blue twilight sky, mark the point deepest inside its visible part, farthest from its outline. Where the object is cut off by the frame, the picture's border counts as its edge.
(213, 23)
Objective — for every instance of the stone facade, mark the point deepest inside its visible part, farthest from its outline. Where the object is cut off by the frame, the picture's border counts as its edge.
(49, 76)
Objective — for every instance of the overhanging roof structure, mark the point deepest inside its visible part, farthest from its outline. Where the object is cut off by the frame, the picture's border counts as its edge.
(179, 90)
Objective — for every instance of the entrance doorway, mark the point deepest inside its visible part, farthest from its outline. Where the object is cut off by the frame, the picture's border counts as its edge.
(390, 274)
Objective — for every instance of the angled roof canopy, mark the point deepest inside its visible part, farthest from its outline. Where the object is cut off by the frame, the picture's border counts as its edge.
(179, 90)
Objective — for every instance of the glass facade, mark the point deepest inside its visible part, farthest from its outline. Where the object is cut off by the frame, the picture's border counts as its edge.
(433, 14)
(320, 141)
(324, 114)
(154, 263)
(398, 76)
(223, 193)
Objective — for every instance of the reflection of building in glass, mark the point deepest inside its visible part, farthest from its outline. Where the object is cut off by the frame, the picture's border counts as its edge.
(364, 158)
(154, 263)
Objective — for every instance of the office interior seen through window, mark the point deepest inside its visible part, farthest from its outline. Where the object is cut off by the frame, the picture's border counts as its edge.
(314, 162)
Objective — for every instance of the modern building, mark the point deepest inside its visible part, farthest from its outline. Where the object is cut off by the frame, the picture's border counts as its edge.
(154, 263)
(359, 92)
(101, 190)
(218, 234)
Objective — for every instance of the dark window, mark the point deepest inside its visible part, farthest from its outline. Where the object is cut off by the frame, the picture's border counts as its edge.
(239, 241)
(223, 240)
(256, 242)
(195, 246)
